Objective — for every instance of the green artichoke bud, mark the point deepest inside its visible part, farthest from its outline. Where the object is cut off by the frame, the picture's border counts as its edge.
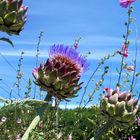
(12, 16)
(119, 106)
(59, 76)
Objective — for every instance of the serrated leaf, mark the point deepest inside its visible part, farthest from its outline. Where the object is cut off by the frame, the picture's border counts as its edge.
(7, 40)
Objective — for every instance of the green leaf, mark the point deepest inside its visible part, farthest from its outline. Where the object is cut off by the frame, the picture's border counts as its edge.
(10, 18)
(3, 7)
(13, 6)
(7, 40)
(1, 20)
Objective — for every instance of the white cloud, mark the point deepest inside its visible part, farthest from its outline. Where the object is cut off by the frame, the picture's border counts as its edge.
(100, 40)
(87, 40)
(44, 53)
(100, 46)
(29, 53)
(71, 106)
(29, 43)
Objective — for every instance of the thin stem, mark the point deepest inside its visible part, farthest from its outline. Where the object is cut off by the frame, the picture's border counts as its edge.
(8, 62)
(88, 84)
(79, 110)
(97, 86)
(19, 73)
(7, 87)
(29, 88)
(5, 59)
(57, 102)
(139, 97)
(120, 73)
(12, 90)
(135, 60)
(6, 91)
(37, 57)
(38, 49)
(99, 65)
(126, 43)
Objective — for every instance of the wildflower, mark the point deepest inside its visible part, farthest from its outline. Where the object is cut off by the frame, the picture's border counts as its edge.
(19, 121)
(70, 137)
(59, 136)
(138, 121)
(3, 119)
(129, 68)
(59, 76)
(75, 45)
(131, 138)
(124, 51)
(109, 91)
(18, 137)
(119, 106)
(126, 3)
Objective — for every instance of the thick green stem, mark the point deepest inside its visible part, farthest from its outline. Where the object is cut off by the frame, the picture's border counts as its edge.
(57, 102)
(36, 120)
(104, 129)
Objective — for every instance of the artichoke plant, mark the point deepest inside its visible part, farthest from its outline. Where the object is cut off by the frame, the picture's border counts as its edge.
(59, 76)
(12, 16)
(120, 107)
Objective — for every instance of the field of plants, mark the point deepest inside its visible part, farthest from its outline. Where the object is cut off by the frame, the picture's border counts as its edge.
(37, 113)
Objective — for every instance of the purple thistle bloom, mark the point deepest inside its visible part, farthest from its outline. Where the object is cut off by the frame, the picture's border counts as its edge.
(66, 52)
(60, 75)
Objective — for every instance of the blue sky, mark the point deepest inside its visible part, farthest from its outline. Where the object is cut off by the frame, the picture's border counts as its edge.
(99, 23)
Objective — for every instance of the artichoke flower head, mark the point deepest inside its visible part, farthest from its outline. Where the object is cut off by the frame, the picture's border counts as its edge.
(119, 106)
(12, 16)
(60, 75)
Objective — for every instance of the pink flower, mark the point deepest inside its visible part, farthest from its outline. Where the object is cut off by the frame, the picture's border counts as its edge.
(76, 45)
(3, 119)
(124, 51)
(70, 137)
(129, 68)
(109, 91)
(131, 138)
(126, 3)
(117, 90)
(138, 120)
